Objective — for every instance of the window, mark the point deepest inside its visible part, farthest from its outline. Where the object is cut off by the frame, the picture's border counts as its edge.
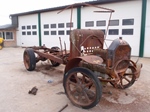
(127, 31)
(68, 32)
(28, 27)
(28, 33)
(23, 27)
(46, 26)
(34, 33)
(33, 26)
(53, 32)
(53, 25)
(128, 22)
(101, 23)
(61, 25)
(9, 35)
(114, 23)
(46, 32)
(113, 32)
(23, 33)
(68, 25)
(61, 32)
(89, 23)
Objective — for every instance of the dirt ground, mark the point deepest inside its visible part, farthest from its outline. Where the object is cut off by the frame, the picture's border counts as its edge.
(16, 81)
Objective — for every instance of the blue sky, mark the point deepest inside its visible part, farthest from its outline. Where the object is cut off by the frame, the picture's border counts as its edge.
(16, 6)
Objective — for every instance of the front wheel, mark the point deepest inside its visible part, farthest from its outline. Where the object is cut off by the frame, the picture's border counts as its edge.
(82, 87)
(126, 78)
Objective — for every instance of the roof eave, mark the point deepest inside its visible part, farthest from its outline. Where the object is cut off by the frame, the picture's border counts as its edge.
(62, 7)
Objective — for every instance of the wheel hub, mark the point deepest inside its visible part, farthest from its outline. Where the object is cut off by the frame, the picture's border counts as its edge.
(79, 89)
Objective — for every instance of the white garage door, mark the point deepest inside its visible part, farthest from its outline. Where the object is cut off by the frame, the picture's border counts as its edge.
(27, 34)
(55, 25)
(125, 22)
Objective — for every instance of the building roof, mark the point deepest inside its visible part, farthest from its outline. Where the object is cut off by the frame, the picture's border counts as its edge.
(62, 7)
(7, 27)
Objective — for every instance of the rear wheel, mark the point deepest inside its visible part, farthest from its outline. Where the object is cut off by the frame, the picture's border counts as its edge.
(82, 87)
(29, 59)
(55, 48)
(54, 63)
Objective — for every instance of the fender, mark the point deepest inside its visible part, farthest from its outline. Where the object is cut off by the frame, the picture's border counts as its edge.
(92, 59)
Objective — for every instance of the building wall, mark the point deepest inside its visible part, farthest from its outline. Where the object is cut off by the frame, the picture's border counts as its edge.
(60, 20)
(27, 39)
(123, 10)
(147, 32)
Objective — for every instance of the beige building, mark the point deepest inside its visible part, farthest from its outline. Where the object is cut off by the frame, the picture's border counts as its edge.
(8, 32)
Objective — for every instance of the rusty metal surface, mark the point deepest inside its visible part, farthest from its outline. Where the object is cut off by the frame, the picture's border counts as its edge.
(94, 67)
(100, 52)
(81, 88)
(85, 39)
(119, 50)
(72, 63)
(86, 4)
(86, 50)
(49, 56)
(125, 73)
(138, 70)
(92, 59)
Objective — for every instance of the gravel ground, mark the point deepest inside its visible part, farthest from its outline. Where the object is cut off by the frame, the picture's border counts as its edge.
(16, 81)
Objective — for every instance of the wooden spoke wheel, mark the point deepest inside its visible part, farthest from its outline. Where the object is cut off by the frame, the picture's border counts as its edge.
(82, 87)
(29, 59)
(126, 77)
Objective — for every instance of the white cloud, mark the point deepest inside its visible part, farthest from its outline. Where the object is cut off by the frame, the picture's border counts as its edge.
(17, 6)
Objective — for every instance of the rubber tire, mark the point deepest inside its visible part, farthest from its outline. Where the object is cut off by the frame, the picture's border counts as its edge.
(90, 74)
(55, 64)
(32, 59)
(55, 48)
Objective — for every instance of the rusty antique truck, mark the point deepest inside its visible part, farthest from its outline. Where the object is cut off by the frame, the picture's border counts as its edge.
(88, 65)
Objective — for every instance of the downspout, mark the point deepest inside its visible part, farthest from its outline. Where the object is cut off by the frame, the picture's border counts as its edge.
(143, 21)
(78, 17)
(3, 35)
(39, 29)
